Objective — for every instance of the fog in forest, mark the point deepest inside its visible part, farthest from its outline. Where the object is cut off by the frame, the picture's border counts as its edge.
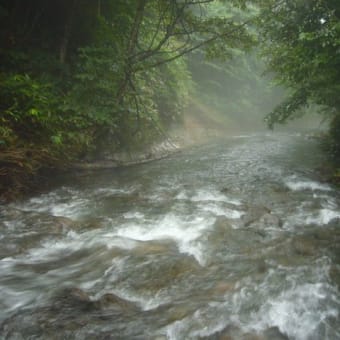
(234, 97)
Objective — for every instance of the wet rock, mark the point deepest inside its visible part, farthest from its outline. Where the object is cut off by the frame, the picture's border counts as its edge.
(291, 251)
(179, 313)
(158, 271)
(109, 300)
(94, 223)
(69, 314)
(304, 245)
(9, 248)
(73, 298)
(222, 228)
(77, 294)
(76, 298)
(261, 267)
(233, 332)
(330, 234)
(224, 237)
(29, 229)
(253, 214)
(62, 224)
(334, 274)
(222, 222)
(261, 233)
(8, 212)
(279, 188)
(153, 247)
(274, 333)
(223, 287)
(270, 220)
(119, 202)
(43, 223)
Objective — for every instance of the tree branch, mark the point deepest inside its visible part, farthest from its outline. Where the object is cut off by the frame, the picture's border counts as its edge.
(197, 46)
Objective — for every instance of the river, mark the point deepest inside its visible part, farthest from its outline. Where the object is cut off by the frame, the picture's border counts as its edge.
(235, 239)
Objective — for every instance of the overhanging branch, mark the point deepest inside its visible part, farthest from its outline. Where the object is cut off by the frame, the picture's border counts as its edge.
(195, 47)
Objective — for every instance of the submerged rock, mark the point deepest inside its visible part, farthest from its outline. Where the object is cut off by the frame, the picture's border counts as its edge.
(74, 298)
(222, 228)
(254, 214)
(179, 312)
(64, 224)
(109, 301)
(223, 287)
(274, 333)
(270, 220)
(78, 299)
(70, 312)
(334, 274)
(154, 247)
(233, 332)
(305, 245)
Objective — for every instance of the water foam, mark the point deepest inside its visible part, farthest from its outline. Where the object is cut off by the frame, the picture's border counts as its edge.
(51, 249)
(182, 195)
(108, 277)
(201, 324)
(323, 217)
(69, 202)
(184, 231)
(221, 211)
(55, 204)
(296, 185)
(298, 311)
(145, 302)
(320, 217)
(113, 191)
(214, 196)
(133, 215)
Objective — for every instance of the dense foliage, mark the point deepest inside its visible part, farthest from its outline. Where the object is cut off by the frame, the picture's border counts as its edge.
(79, 79)
(301, 42)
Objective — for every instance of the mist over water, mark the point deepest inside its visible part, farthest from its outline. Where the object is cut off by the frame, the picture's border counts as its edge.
(235, 238)
(234, 98)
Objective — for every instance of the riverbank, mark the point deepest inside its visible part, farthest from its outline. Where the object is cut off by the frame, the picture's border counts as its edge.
(22, 174)
(126, 158)
(24, 171)
(20, 178)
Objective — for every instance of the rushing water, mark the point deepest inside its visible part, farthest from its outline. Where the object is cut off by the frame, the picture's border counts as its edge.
(235, 240)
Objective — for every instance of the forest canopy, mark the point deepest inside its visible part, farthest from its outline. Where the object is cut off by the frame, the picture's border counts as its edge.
(301, 45)
(301, 41)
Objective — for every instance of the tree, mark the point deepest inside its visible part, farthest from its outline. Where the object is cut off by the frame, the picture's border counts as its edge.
(301, 41)
(156, 33)
(81, 76)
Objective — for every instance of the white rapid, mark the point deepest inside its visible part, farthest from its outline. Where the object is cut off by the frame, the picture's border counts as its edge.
(238, 239)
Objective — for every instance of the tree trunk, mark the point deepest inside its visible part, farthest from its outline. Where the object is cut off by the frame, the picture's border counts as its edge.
(128, 71)
(99, 8)
(63, 48)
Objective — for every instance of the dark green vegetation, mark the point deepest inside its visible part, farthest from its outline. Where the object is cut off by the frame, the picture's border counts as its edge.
(301, 43)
